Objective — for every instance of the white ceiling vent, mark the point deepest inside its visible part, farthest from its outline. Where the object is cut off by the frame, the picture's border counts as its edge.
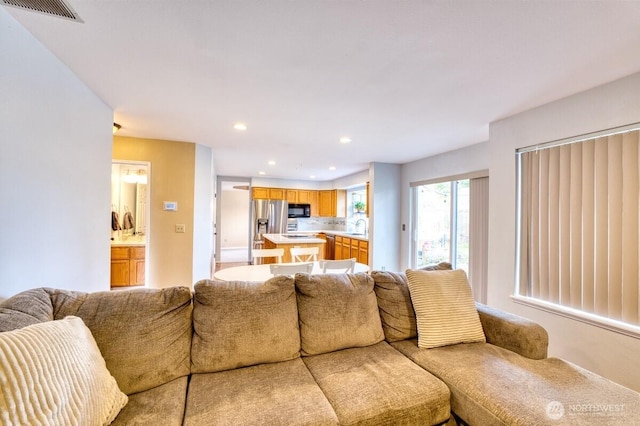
(49, 7)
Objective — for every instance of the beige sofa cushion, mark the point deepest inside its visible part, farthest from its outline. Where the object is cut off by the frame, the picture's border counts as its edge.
(377, 385)
(237, 324)
(162, 405)
(494, 386)
(25, 308)
(394, 302)
(337, 311)
(280, 393)
(445, 310)
(144, 335)
(53, 373)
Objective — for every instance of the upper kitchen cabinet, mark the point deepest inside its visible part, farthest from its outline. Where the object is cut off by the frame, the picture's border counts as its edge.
(332, 203)
(259, 193)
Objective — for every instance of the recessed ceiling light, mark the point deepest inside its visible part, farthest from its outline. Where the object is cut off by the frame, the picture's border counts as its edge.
(272, 163)
(345, 139)
(312, 176)
(240, 126)
(261, 173)
(332, 167)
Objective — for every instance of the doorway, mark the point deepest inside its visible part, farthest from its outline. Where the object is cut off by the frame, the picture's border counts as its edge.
(234, 217)
(130, 218)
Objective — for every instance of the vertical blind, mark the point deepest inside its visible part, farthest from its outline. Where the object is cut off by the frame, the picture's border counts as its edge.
(579, 225)
(479, 237)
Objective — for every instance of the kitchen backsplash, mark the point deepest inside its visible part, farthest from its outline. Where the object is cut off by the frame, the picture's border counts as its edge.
(322, 223)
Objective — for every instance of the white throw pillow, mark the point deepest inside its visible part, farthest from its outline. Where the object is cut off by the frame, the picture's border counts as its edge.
(53, 373)
(445, 310)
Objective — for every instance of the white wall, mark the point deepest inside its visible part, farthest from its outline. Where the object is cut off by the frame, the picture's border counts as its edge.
(459, 161)
(384, 216)
(203, 213)
(55, 171)
(607, 353)
(235, 226)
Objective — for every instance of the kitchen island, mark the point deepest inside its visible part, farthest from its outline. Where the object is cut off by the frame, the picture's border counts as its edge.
(287, 241)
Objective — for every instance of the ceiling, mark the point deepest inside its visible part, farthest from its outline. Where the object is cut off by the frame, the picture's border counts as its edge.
(403, 79)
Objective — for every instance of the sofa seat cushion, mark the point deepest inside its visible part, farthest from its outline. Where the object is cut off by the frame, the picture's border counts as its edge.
(144, 335)
(337, 311)
(378, 385)
(162, 405)
(238, 324)
(282, 393)
(494, 386)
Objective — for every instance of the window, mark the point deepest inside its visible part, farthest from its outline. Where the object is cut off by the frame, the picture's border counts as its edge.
(443, 218)
(450, 224)
(578, 227)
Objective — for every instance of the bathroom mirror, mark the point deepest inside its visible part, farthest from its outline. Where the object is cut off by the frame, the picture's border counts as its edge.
(129, 200)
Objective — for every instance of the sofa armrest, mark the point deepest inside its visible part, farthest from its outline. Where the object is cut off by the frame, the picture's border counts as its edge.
(514, 333)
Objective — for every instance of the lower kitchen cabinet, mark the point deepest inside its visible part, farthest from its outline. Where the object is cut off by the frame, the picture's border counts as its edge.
(346, 248)
(127, 266)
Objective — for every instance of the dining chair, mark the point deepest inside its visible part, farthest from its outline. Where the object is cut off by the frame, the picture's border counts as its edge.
(304, 254)
(290, 268)
(262, 253)
(346, 265)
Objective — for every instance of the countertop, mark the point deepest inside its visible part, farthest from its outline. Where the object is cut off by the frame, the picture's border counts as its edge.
(304, 238)
(364, 237)
(133, 241)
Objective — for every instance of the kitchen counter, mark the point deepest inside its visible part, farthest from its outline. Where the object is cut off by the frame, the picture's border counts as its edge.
(133, 241)
(363, 237)
(294, 238)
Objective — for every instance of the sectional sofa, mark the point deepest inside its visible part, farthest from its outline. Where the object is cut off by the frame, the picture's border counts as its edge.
(310, 350)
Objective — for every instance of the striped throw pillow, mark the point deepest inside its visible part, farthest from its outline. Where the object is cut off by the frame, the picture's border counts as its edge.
(445, 310)
(53, 374)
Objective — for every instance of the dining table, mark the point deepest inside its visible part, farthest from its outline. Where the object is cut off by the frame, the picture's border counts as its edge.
(263, 272)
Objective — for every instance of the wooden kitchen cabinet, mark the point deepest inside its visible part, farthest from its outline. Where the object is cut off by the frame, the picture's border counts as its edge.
(127, 266)
(292, 196)
(332, 203)
(363, 252)
(259, 193)
(346, 248)
(315, 204)
(304, 196)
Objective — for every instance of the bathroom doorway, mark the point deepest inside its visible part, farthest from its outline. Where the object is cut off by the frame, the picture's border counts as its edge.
(130, 219)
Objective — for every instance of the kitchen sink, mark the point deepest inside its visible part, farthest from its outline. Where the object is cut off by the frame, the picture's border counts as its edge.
(354, 233)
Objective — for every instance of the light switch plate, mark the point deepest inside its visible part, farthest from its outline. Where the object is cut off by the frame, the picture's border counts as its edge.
(180, 228)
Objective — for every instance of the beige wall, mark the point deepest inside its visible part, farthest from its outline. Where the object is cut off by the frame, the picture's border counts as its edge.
(172, 179)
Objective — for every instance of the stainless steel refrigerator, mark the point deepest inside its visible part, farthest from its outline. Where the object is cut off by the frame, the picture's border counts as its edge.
(269, 217)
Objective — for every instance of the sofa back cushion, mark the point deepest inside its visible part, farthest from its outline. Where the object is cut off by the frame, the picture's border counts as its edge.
(337, 311)
(238, 324)
(25, 308)
(394, 301)
(144, 335)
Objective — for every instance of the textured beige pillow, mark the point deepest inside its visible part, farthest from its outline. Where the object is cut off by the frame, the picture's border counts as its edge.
(53, 373)
(337, 311)
(445, 310)
(237, 324)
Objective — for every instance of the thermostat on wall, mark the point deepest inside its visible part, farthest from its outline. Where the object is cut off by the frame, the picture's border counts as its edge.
(171, 206)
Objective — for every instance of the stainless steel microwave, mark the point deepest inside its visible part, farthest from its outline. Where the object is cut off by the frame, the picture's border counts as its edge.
(299, 210)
